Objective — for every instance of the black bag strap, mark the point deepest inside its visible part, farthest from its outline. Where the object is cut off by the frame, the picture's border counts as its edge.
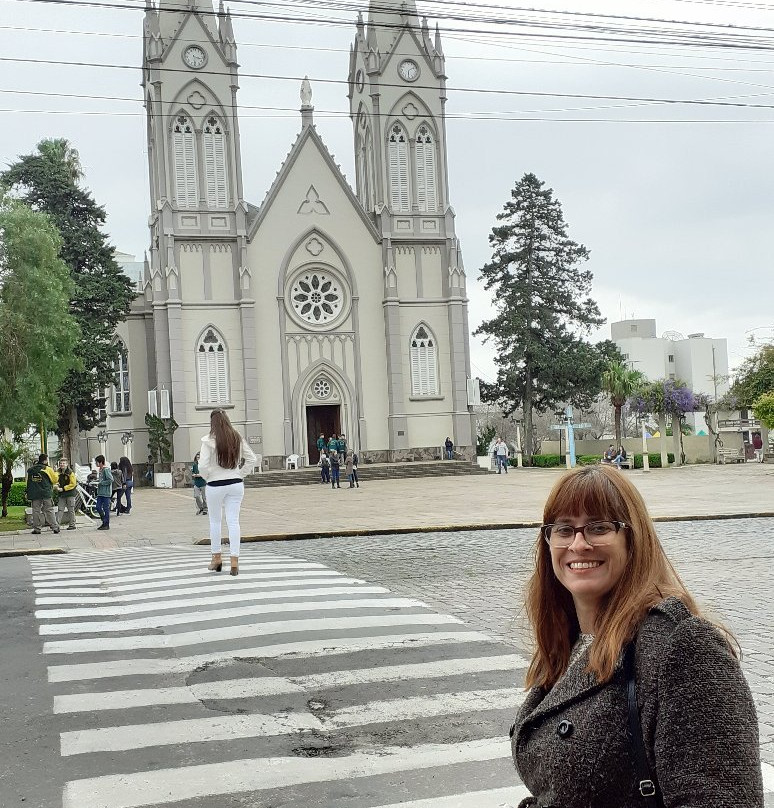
(646, 785)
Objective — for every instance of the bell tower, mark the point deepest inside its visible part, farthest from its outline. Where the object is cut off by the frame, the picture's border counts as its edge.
(397, 98)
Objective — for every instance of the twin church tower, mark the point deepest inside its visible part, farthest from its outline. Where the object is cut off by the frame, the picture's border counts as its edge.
(325, 308)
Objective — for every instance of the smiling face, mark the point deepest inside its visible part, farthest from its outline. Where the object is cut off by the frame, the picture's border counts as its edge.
(589, 573)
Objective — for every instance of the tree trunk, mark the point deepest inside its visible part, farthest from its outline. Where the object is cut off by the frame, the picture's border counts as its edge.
(527, 406)
(662, 431)
(617, 425)
(71, 448)
(677, 439)
(7, 482)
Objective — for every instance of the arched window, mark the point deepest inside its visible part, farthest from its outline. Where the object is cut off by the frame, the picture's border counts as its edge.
(397, 154)
(184, 145)
(215, 163)
(369, 163)
(121, 402)
(427, 195)
(424, 363)
(212, 368)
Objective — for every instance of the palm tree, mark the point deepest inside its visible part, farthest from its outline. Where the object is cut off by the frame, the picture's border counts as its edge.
(9, 454)
(60, 152)
(619, 382)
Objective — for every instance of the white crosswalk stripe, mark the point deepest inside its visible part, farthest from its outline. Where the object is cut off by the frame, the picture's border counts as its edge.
(288, 678)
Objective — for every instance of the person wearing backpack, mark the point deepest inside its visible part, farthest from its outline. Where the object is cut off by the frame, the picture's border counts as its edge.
(41, 479)
(325, 467)
(335, 468)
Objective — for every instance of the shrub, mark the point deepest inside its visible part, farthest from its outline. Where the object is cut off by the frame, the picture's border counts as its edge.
(587, 460)
(547, 461)
(16, 494)
(654, 460)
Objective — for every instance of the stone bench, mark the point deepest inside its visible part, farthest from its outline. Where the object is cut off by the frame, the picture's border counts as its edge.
(731, 456)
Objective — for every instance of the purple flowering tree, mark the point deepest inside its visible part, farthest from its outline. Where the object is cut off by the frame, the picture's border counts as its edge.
(668, 398)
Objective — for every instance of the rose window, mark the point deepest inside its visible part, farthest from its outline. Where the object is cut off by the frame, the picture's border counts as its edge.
(317, 297)
(322, 388)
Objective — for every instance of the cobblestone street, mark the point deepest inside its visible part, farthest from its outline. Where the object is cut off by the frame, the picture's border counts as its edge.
(479, 576)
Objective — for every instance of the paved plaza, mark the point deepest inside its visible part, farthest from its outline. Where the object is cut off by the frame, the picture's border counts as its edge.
(370, 671)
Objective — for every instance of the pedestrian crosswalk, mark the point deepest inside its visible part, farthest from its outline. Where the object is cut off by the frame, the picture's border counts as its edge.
(289, 685)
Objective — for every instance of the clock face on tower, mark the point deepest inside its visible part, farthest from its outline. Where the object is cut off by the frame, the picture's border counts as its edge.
(194, 57)
(408, 70)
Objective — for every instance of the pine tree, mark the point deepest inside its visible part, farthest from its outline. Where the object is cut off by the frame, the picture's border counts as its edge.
(48, 180)
(542, 309)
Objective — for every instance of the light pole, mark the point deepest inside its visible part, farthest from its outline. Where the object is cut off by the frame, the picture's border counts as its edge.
(519, 452)
(127, 439)
(645, 460)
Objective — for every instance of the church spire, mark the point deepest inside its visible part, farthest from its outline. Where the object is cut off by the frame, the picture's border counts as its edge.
(386, 18)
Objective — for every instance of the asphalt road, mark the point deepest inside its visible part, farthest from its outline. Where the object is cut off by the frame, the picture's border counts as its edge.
(380, 672)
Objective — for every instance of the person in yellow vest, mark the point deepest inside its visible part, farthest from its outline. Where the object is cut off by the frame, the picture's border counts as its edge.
(41, 479)
(65, 485)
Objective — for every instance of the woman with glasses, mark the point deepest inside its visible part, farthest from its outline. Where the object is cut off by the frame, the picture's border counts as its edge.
(634, 699)
(224, 461)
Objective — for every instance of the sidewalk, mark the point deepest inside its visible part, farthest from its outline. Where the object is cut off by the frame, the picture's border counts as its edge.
(162, 517)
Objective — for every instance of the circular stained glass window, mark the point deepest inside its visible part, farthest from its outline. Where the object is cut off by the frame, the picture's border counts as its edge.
(317, 297)
(322, 387)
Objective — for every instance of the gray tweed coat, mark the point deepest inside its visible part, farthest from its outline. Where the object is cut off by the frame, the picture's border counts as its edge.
(571, 745)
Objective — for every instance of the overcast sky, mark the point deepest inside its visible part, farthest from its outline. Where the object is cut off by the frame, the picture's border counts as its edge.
(674, 201)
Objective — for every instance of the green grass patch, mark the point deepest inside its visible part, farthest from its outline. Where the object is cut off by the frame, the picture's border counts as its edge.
(14, 520)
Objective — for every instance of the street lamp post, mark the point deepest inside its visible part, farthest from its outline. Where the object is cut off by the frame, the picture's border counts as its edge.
(127, 439)
(102, 440)
(645, 460)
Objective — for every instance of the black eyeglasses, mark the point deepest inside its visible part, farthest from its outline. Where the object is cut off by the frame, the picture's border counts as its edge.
(595, 534)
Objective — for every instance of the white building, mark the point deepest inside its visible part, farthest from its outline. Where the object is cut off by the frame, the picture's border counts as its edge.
(323, 309)
(700, 361)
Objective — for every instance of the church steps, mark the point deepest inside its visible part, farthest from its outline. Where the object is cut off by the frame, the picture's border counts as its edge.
(367, 473)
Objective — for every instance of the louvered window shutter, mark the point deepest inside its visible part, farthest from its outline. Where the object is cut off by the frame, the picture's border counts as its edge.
(184, 145)
(212, 369)
(427, 196)
(424, 371)
(398, 163)
(215, 164)
(201, 372)
(415, 384)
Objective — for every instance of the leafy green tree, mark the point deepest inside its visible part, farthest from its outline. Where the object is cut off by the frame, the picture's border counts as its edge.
(38, 334)
(542, 309)
(763, 409)
(10, 452)
(754, 378)
(48, 180)
(620, 382)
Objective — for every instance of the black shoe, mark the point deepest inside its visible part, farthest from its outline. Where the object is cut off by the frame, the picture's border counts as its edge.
(56, 531)
(72, 527)
(104, 527)
(35, 532)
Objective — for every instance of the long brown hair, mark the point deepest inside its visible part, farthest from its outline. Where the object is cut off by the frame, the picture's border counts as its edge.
(228, 442)
(601, 492)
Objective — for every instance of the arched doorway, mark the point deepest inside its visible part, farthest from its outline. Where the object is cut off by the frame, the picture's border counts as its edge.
(322, 412)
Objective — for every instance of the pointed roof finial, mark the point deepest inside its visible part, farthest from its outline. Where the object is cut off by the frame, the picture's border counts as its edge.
(438, 47)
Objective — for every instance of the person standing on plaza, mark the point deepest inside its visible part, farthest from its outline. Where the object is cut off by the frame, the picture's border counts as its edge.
(118, 486)
(321, 444)
(325, 467)
(333, 444)
(632, 693)
(104, 491)
(127, 469)
(199, 487)
(66, 484)
(225, 460)
(335, 469)
(757, 443)
(149, 470)
(501, 448)
(354, 470)
(342, 448)
(41, 479)
(448, 446)
(348, 470)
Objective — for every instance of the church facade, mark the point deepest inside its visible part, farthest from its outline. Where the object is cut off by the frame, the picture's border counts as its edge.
(326, 308)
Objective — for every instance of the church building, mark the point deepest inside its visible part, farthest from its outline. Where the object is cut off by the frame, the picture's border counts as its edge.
(326, 308)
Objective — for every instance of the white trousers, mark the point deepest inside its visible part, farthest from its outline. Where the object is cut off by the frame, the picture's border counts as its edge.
(226, 498)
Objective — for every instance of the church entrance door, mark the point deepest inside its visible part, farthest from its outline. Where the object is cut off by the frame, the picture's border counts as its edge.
(325, 419)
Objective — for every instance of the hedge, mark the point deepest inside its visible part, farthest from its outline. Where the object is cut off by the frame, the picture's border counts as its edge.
(16, 496)
(557, 461)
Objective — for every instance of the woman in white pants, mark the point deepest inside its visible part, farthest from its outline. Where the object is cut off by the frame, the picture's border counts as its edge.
(225, 460)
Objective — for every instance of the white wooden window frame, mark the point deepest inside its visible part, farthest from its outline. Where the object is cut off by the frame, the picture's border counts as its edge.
(423, 358)
(121, 398)
(212, 368)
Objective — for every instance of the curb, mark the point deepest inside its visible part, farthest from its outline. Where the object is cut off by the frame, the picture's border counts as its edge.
(33, 551)
(331, 534)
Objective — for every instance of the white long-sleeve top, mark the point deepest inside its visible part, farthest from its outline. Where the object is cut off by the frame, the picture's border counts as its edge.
(212, 471)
